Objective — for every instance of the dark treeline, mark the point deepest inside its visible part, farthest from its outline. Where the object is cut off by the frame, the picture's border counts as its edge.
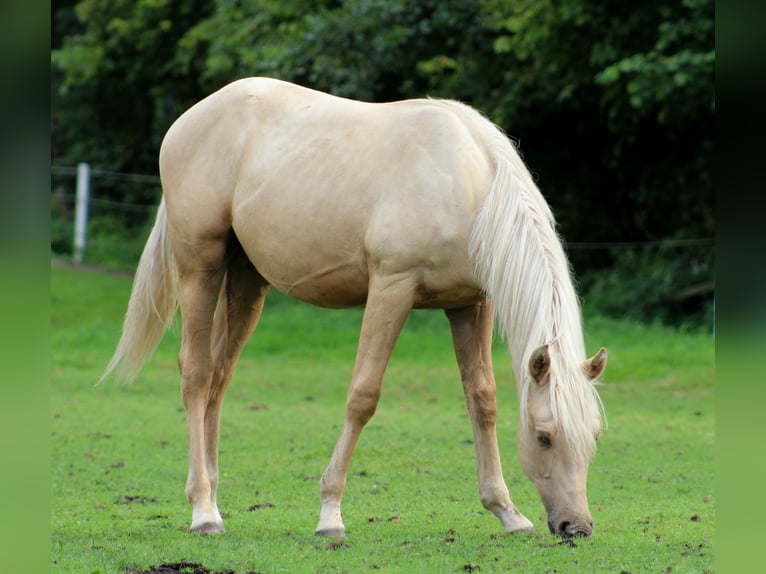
(612, 102)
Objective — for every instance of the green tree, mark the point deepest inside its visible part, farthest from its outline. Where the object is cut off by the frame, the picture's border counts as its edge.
(116, 85)
(365, 49)
(613, 103)
(629, 89)
(614, 107)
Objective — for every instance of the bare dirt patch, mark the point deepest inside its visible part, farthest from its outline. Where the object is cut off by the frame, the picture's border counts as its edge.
(181, 568)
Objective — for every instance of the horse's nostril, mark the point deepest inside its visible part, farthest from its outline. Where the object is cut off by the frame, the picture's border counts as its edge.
(563, 529)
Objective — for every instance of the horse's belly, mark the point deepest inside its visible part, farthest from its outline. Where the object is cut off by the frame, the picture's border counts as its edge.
(295, 261)
(334, 287)
(340, 286)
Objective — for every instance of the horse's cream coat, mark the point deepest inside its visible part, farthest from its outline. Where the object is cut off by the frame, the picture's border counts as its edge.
(420, 203)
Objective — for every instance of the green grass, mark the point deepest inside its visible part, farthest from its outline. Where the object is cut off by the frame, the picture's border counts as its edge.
(411, 504)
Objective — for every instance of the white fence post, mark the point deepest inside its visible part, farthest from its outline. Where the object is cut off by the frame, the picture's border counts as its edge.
(81, 211)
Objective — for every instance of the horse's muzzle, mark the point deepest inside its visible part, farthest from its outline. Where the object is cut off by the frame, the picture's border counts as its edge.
(577, 529)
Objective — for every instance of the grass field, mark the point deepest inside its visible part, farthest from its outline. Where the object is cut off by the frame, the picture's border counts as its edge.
(411, 504)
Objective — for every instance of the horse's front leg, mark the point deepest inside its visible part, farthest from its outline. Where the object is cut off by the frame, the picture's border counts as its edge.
(472, 336)
(388, 303)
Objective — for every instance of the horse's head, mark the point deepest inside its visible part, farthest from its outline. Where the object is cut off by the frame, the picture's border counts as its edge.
(560, 422)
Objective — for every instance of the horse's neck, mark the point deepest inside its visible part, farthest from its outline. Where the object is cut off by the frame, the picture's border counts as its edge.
(520, 258)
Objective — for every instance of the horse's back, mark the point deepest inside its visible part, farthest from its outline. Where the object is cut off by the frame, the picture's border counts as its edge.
(321, 190)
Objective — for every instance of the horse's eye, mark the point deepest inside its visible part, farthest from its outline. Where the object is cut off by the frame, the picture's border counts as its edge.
(543, 439)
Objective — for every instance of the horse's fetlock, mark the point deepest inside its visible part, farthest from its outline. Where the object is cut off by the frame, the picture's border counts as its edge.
(487, 501)
(493, 498)
(329, 489)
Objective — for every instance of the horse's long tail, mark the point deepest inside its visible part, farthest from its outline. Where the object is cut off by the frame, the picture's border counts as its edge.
(152, 306)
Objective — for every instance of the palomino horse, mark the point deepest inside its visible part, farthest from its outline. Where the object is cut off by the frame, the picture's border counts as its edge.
(418, 203)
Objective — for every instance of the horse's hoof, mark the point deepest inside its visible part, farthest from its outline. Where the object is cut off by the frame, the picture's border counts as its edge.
(208, 528)
(332, 532)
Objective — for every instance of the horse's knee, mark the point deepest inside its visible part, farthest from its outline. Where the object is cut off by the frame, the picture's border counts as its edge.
(482, 402)
(361, 405)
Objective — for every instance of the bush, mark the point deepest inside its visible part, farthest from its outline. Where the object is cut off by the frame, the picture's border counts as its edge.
(62, 222)
(111, 242)
(670, 284)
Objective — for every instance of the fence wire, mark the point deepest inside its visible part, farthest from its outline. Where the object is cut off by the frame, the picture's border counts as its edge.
(155, 179)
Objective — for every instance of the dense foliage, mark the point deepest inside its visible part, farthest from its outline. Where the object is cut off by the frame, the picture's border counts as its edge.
(613, 103)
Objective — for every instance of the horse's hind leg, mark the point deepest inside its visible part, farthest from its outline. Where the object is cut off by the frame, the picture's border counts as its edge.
(239, 310)
(388, 303)
(198, 289)
(472, 335)
(201, 268)
(202, 260)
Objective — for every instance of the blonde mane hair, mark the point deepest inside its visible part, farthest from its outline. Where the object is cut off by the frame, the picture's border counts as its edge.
(522, 266)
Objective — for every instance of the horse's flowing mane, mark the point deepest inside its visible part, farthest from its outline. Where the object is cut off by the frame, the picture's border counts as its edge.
(524, 271)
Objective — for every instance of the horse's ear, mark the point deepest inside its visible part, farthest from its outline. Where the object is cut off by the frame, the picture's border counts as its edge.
(539, 364)
(596, 364)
